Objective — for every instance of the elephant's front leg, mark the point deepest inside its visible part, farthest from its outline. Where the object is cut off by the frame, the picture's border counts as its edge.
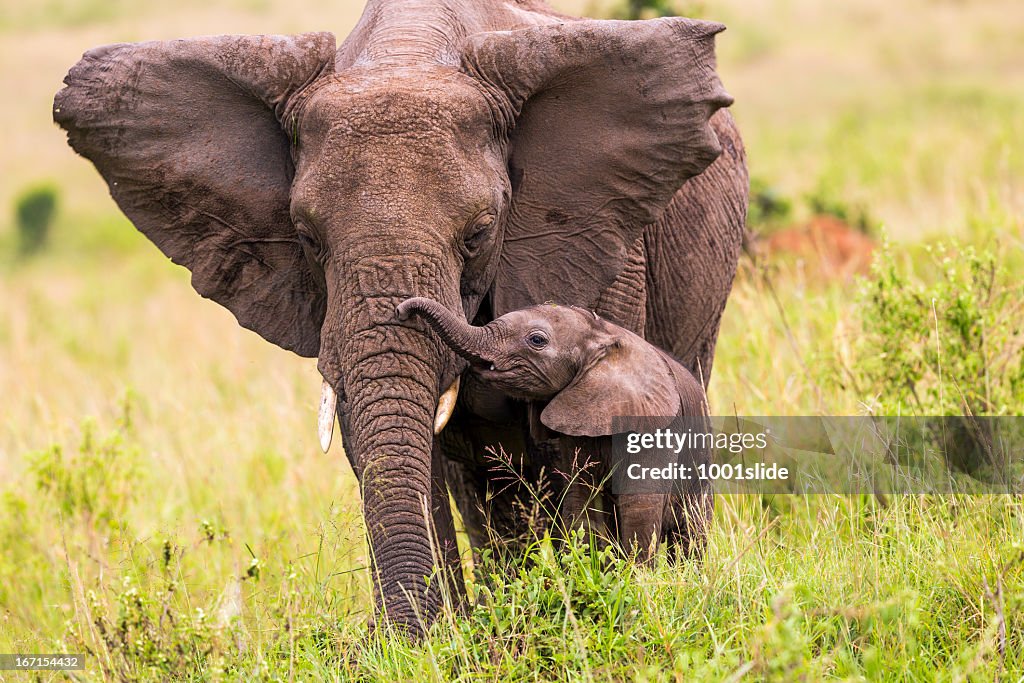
(638, 521)
(581, 501)
(500, 479)
(687, 521)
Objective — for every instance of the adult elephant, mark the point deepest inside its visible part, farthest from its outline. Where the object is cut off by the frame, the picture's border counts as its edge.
(488, 154)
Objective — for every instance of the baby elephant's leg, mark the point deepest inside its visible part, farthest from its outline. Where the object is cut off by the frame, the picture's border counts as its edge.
(638, 518)
(581, 506)
(687, 520)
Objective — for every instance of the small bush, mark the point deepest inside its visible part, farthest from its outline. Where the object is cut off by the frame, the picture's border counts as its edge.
(96, 483)
(147, 631)
(34, 211)
(767, 208)
(952, 346)
(653, 9)
(770, 210)
(823, 202)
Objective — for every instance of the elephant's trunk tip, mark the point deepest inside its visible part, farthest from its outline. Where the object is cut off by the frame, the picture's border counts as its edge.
(411, 307)
(452, 328)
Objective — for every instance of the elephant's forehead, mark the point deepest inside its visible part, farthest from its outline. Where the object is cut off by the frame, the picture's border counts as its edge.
(553, 316)
(379, 102)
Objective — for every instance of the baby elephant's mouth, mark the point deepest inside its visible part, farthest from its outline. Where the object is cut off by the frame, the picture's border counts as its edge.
(485, 368)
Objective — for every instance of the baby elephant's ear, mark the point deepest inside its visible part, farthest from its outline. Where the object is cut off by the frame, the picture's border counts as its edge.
(632, 379)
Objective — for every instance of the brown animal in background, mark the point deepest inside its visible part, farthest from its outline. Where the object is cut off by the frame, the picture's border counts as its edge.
(829, 247)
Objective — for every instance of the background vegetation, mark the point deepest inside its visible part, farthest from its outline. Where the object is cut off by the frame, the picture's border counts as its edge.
(164, 504)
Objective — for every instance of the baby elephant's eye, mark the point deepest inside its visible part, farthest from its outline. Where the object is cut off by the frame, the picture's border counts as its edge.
(537, 340)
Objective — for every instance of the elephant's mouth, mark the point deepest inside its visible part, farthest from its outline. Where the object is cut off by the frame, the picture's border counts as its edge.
(485, 369)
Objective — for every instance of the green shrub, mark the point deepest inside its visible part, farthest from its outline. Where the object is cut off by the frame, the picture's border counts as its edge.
(652, 9)
(770, 210)
(824, 202)
(953, 345)
(767, 208)
(97, 482)
(34, 211)
(146, 630)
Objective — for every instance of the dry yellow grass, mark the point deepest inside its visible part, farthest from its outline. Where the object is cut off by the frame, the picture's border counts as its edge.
(926, 79)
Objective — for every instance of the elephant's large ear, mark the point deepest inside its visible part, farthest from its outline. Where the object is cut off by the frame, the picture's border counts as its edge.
(631, 379)
(188, 135)
(608, 119)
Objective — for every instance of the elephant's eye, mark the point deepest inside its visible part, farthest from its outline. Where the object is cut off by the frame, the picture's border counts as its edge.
(307, 238)
(537, 340)
(477, 232)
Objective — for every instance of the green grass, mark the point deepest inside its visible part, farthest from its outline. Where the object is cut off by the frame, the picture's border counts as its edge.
(163, 500)
(818, 586)
(193, 489)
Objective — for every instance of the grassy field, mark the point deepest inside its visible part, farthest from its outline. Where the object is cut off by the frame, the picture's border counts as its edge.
(164, 503)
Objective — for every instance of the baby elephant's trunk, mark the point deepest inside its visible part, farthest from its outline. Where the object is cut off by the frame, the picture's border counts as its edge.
(469, 342)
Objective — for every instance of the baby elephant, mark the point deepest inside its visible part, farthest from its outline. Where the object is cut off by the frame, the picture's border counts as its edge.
(589, 371)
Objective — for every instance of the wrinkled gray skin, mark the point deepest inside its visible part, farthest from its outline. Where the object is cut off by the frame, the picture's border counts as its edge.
(488, 154)
(586, 371)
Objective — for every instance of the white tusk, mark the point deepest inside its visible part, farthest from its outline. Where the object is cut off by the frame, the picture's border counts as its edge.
(445, 406)
(325, 421)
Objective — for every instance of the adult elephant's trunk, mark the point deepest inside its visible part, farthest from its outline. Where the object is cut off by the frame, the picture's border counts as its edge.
(388, 378)
(475, 344)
